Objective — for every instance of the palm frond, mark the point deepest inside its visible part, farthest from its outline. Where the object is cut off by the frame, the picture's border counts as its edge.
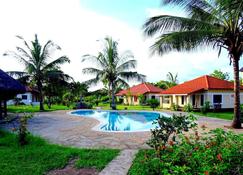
(98, 60)
(187, 4)
(25, 43)
(184, 41)
(17, 56)
(59, 75)
(56, 63)
(131, 64)
(132, 76)
(92, 71)
(23, 52)
(165, 23)
(122, 83)
(92, 81)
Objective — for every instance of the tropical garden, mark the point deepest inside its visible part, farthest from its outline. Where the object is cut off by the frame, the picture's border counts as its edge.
(177, 146)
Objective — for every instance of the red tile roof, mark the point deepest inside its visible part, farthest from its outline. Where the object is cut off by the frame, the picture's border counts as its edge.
(139, 89)
(200, 84)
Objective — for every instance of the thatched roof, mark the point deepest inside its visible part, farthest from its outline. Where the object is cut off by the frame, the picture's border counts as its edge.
(9, 87)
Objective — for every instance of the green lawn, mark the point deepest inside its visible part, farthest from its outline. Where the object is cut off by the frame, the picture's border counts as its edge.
(123, 107)
(220, 115)
(38, 157)
(29, 108)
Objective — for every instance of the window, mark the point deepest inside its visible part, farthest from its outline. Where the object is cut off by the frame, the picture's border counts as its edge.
(135, 99)
(153, 97)
(217, 98)
(202, 100)
(24, 97)
(166, 99)
(182, 100)
(193, 100)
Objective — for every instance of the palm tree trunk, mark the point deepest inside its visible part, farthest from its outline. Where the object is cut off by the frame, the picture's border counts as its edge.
(41, 95)
(113, 103)
(236, 121)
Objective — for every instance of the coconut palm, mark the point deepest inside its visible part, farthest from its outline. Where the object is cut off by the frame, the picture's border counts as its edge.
(114, 68)
(210, 23)
(35, 58)
(172, 79)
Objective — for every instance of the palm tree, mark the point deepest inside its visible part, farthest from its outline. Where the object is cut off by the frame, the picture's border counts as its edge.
(35, 59)
(215, 23)
(112, 67)
(172, 79)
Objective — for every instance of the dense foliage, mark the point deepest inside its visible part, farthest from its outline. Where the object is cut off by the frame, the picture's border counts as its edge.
(217, 152)
(221, 75)
(153, 103)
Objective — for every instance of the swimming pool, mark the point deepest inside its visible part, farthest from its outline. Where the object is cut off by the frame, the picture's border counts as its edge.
(121, 120)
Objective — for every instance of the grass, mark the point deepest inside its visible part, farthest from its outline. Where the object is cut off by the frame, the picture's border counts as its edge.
(29, 108)
(106, 106)
(227, 115)
(39, 157)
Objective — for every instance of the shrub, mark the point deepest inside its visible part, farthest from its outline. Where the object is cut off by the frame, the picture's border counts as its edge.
(217, 152)
(205, 108)
(167, 127)
(17, 101)
(188, 107)
(153, 103)
(175, 107)
(105, 99)
(142, 99)
(22, 128)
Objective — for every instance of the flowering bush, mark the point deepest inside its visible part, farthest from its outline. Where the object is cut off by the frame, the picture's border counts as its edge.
(170, 127)
(217, 152)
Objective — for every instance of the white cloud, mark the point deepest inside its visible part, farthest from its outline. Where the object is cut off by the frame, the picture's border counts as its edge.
(77, 30)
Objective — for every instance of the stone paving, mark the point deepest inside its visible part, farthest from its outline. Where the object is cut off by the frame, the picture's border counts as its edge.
(121, 164)
(62, 128)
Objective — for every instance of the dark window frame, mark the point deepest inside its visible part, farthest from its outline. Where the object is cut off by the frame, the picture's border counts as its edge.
(182, 100)
(24, 97)
(217, 99)
(202, 99)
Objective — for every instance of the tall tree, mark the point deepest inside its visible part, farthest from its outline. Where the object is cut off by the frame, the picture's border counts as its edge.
(35, 58)
(172, 79)
(112, 67)
(215, 23)
(221, 75)
(55, 84)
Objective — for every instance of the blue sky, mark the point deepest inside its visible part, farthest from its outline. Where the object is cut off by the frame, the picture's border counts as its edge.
(131, 11)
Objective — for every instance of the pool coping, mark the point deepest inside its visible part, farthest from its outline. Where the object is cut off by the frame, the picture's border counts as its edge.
(97, 127)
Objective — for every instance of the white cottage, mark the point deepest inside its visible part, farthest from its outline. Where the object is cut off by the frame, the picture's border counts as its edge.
(31, 97)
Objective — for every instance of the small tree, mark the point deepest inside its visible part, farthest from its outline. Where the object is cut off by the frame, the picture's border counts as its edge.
(221, 75)
(23, 131)
(142, 99)
(153, 103)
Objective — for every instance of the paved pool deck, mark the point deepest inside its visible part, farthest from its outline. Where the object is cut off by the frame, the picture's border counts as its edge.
(61, 128)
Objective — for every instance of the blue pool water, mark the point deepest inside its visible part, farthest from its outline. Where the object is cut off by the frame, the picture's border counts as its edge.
(121, 120)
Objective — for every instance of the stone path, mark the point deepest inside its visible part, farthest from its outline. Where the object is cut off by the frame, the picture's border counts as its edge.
(121, 164)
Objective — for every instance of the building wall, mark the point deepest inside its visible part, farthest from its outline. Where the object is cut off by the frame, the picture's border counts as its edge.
(134, 100)
(227, 99)
(27, 98)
